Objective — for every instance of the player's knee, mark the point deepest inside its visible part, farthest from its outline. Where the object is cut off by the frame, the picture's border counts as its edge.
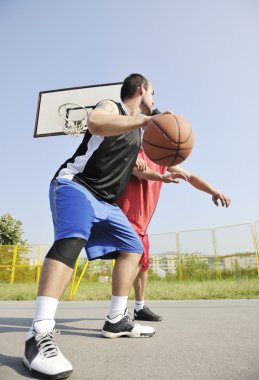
(144, 266)
(144, 263)
(66, 250)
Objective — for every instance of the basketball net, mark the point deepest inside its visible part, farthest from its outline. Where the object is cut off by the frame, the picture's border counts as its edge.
(73, 117)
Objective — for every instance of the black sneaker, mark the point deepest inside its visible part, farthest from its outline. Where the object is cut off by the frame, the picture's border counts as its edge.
(125, 326)
(42, 355)
(146, 314)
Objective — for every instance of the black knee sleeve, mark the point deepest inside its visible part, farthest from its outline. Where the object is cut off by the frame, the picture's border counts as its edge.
(66, 250)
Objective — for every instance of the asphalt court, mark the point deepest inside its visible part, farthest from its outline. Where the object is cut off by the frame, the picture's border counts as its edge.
(196, 340)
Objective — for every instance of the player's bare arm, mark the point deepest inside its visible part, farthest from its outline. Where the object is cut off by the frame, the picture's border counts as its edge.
(105, 120)
(152, 175)
(200, 184)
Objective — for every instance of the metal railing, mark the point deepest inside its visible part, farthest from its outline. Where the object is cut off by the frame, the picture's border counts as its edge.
(217, 250)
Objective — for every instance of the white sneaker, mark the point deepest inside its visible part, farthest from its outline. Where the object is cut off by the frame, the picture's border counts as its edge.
(125, 326)
(42, 355)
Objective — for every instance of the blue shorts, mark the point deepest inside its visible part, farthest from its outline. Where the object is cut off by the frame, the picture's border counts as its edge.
(77, 213)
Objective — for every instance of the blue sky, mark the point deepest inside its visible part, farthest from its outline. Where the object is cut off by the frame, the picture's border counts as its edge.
(202, 58)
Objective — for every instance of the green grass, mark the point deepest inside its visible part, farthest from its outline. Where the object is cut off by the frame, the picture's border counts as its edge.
(156, 290)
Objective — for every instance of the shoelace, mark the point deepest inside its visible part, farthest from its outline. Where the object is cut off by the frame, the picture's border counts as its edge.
(131, 319)
(129, 316)
(47, 344)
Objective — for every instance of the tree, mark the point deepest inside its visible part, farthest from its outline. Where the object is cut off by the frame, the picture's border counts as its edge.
(13, 248)
(10, 231)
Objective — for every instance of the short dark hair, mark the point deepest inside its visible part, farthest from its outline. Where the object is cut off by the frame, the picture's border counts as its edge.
(130, 85)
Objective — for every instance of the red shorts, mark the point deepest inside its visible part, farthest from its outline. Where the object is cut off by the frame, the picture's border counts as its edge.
(144, 261)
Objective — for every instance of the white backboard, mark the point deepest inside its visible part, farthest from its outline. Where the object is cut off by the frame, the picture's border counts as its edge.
(48, 121)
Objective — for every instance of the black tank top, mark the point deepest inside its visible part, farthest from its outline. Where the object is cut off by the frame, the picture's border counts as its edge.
(103, 164)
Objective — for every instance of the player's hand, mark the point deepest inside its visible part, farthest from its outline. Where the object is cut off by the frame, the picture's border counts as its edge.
(153, 115)
(168, 113)
(223, 198)
(140, 164)
(173, 178)
(146, 119)
(155, 112)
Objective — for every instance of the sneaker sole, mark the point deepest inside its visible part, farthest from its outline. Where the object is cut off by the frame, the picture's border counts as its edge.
(107, 334)
(58, 376)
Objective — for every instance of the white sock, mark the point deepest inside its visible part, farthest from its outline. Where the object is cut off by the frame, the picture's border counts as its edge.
(117, 306)
(139, 305)
(45, 309)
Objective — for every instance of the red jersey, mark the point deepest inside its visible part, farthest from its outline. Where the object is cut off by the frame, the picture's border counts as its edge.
(139, 199)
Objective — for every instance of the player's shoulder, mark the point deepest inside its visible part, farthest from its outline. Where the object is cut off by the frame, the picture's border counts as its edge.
(108, 105)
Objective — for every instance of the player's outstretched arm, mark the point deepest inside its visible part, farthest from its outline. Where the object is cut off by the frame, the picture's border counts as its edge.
(141, 170)
(105, 120)
(200, 184)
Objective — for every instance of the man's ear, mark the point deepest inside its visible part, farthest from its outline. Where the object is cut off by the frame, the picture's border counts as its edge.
(142, 89)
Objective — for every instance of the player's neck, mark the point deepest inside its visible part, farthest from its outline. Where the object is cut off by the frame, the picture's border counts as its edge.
(132, 105)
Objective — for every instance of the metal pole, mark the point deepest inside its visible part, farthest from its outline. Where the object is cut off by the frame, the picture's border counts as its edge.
(15, 251)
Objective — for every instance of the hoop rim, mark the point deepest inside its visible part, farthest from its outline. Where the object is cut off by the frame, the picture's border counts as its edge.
(75, 104)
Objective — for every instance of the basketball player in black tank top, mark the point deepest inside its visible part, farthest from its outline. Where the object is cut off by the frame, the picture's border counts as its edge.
(97, 173)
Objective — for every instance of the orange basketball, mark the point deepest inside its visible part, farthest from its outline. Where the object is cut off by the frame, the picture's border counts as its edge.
(168, 139)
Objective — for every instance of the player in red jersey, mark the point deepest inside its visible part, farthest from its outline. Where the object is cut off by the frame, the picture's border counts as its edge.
(139, 202)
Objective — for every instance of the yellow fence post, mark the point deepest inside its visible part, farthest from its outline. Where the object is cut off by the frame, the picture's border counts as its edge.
(256, 246)
(38, 268)
(180, 267)
(72, 294)
(15, 251)
(73, 279)
(217, 264)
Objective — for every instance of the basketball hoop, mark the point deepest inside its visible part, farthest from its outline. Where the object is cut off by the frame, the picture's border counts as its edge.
(74, 118)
